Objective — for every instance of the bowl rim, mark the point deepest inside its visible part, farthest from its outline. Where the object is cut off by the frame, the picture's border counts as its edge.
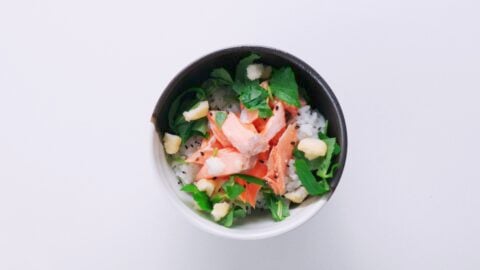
(169, 90)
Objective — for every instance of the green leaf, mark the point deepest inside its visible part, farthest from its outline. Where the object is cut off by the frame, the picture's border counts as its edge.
(200, 197)
(219, 197)
(308, 179)
(183, 129)
(190, 188)
(250, 179)
(203, 201)
(177, 102)
(327, 159)
(200, 127)
(284, 86)
(241, 70)
(278, 207)
(222, 74)
(239, 213)
(220, 117)
(254, 97)
(232, 189)
(227, 221)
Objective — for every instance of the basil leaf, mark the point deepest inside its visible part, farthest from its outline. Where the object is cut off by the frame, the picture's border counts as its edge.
(222, 74)
(232, 189)
(254, 97)
(250, 179)
(308, 179)
(241, 70)
(284, 86)
(278, 207)
(200, 197)
(220, 117)
(227, 221)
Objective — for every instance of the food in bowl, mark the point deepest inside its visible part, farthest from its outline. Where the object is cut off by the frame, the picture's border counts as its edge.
(249, 142)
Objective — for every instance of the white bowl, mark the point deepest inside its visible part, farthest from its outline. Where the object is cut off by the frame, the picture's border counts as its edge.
(259, 226)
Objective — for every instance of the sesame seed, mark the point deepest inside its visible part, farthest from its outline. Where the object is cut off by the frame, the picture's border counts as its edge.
(201, 153)
(297, 127)
(276, 108)
(292, 143)
(214, 178)
(184, 172)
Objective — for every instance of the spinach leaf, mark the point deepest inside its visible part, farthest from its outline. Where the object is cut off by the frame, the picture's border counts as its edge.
(241, 70)
(308, 179)
(278, 207)
(254, 97)
(200, 197)
(220, 117)
(250, 179)
(284, 86)
(222, 75)
(232, 189)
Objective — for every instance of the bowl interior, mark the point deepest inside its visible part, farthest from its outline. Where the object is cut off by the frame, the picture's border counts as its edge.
(322, 98)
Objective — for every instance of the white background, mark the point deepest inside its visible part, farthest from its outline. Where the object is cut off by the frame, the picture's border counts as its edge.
(79, 80)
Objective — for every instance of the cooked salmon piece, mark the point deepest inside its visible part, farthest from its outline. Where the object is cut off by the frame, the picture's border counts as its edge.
(205, 150)
(227, 161)
(244, 138)
(278, 160)
(248, 116)
(217, 131)
(251, 190)
(274, 123)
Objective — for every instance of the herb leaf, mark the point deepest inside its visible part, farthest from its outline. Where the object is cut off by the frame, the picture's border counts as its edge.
(177, 122)
(253, 96)
(250, 179)
(284, 86)
(308, 179)
(220, 117)
(223, 75)
(232, 189)
(241, 70)
(327, 159)
(200, 127)
(227, 221)
(200, 197)
(239, 213)
(278, 207)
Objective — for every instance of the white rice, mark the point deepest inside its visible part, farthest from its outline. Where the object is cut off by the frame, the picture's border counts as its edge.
(292, 182)
(224, 100)
(310, 122)
(186, 171)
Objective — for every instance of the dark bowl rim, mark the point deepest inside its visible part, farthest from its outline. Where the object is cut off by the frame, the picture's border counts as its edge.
(290, 58)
